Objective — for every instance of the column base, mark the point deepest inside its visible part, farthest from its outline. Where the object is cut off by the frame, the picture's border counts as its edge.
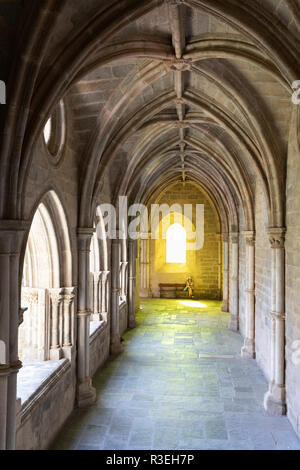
(248, 350)
(116, 346)
(145, 293)
(86, 394)
(132, 323)
(234, 323)
(56, 354)
(225, 306)
(274, 400)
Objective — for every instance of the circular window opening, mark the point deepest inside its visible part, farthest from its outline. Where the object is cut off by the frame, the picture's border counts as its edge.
(55, 132)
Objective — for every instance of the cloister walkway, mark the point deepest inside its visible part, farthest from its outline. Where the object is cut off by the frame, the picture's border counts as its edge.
(180, 384)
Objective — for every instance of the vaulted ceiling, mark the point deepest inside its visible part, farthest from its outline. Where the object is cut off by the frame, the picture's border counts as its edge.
(160, 91)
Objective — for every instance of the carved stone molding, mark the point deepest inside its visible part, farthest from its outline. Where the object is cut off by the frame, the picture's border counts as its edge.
(234, 237)
(277, 316)
(84, 313)
(181, 125)
(179, 65)
(249, 237)
(277, 237)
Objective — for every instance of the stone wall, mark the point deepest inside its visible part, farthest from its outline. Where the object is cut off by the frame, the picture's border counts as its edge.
(41, 418)
(242, 284)
(202, 265)
(123, 318)
(293, 277)
(262, 284)
(99, 348)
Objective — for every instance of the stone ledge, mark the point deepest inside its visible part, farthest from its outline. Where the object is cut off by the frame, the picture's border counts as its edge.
(97, 330)
(47, 384)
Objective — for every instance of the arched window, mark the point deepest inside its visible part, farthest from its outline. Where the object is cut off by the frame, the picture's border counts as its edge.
(47, 297)
(47, 131)
(176, 244)
(99, 273)
(55, 134)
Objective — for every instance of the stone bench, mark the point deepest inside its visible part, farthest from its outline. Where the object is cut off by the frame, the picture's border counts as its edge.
(172, 291)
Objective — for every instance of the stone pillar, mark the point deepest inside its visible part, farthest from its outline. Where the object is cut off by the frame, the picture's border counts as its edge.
(225, 305)
(104, 297)
(248, 350)
(145, 268)
(132, 249)
(56, 299)
(115, 339)
(12, 235)
(275, 398)
(69, 295)
(86, 394)
(123, 286)
(234, 286)
(96, 280)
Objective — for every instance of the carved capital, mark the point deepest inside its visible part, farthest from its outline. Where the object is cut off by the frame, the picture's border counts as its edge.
(56, 296)
(68, 294)
(84, 237)
(225, 237)
(30, 295)
(105, 276)
(277, 237)
(250, 238)
(277, 316)
(234, 237)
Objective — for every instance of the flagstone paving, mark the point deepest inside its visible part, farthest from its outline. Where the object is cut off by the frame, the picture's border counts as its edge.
(180, 384)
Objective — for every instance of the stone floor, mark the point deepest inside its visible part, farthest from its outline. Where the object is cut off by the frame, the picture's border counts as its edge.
(180, 384)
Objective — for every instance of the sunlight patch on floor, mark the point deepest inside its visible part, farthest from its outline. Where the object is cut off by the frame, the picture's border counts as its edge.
(192, 303)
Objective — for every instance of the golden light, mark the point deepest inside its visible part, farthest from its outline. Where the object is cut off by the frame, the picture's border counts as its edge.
(192, 303)
(176, 244)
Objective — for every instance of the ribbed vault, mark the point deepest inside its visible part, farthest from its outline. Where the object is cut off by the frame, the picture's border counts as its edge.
(158, 91)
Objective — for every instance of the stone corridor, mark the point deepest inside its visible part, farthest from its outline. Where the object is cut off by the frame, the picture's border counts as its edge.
(179, 384)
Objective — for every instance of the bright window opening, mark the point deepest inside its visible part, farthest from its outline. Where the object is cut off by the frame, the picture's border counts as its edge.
(176, 244)
(47, 131)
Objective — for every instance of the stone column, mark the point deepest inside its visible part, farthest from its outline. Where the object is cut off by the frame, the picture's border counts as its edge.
(69, 295)
(248, 350)
(12, 235)
(115, 339)
(145, 268)
(56, 298)
(96, 279)
(225, 305)
(234, 307)
(123, 286)
(104, 298)
(132, 249)
(86, 394)
(275, 398)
